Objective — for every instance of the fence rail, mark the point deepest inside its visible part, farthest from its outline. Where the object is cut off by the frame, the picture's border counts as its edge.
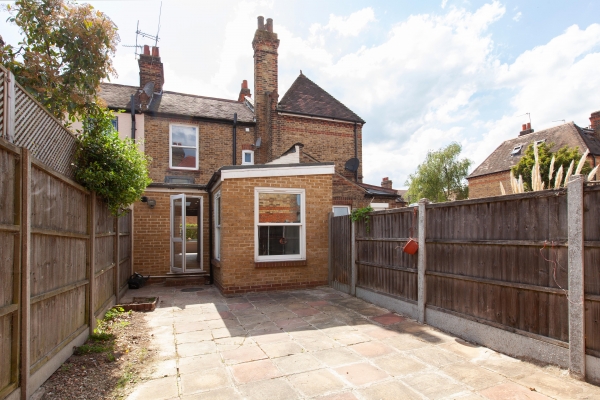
(504, 262)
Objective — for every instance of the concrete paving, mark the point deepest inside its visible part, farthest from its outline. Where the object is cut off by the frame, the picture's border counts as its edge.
(323, 344)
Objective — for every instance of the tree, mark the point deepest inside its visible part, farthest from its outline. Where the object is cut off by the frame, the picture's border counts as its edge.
(563, 157)
(65, 53)
(441, 177)
(115, 169)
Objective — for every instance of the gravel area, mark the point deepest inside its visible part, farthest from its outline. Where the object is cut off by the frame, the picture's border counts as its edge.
(109, 374)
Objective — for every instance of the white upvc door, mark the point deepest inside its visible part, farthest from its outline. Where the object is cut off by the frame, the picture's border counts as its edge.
(178, 233)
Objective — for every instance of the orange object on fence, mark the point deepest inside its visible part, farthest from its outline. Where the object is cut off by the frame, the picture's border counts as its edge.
(411, 247)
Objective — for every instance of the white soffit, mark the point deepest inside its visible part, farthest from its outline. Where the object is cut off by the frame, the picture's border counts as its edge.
(277, 171)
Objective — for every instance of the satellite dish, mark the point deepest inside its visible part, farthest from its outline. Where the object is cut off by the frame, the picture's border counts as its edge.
(258, 142)
(148, 89)
(352, 164)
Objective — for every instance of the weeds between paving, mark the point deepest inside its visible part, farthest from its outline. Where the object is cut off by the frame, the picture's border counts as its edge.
(109, 365)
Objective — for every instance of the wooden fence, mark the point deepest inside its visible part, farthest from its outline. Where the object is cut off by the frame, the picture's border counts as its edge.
(502, 262)
(64, 260)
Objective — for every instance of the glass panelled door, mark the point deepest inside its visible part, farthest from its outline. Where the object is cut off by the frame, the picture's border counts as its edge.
(177, 233)
(186, 233)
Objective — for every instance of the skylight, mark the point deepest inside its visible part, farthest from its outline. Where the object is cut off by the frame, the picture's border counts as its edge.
(516, 150)
(538, 142)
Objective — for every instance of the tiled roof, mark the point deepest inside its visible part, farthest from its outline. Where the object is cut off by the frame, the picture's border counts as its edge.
(118, 96)
(307, 98)
(378, 190)
(567, 134)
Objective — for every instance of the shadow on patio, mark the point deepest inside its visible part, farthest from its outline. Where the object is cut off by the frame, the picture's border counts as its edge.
(320, 342)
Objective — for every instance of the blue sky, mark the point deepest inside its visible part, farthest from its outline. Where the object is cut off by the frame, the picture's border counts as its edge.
(421, 73)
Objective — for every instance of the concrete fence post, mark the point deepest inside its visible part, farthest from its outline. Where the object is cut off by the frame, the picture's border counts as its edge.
(330, 252)
(422, 260)
(354, 269)
(25, 339)
(576, 277)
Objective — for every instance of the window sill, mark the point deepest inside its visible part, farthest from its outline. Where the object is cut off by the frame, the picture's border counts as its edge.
(270, 264)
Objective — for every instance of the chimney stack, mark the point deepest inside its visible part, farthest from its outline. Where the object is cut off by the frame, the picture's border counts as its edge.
(151, 68)
(265, 45)
(595, 122)
(526, 129)
(386, 183)
(244, 92)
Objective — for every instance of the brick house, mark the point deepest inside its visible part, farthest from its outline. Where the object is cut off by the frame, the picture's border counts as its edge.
(214, 160)
(485, 180)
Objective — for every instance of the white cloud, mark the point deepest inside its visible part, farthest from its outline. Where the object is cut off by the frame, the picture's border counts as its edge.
(351, 25)
(517, 17)
(444, 2)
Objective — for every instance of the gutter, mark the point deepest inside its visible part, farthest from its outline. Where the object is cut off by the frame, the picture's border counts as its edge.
(323, 117)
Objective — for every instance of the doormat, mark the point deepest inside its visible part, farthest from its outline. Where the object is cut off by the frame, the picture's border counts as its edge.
(192, 289)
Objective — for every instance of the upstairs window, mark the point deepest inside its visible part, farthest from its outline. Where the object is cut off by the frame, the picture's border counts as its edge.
(183, 147)
(247, 157)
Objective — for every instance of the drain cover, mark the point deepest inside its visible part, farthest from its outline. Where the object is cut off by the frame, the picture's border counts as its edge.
(192, 289)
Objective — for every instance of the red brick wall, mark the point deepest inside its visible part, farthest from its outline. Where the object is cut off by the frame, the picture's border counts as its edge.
(152, 233)
(237, 271)
(323, 140)
(215, 147)
(489, 185)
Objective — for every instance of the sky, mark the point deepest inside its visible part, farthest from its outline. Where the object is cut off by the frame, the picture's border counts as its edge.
(422, 74)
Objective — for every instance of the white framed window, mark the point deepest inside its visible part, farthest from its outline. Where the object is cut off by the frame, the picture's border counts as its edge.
(183, 146)
(217, 218)
(341, 210)
(247, 157)
(279, 224)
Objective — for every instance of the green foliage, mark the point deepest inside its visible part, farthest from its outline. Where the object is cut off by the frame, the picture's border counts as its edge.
(114, 313)
(98, 336)
(65, 52)
(441, 177)
(563, 157)
(94, 348)
(359, 214)
(191, 231)
(114, 168)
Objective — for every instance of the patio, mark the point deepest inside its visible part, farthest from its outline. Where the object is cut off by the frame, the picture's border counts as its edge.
(320, 343)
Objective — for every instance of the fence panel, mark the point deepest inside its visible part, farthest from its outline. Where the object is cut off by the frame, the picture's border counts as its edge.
(341, 250)
(103, 257)
(125, 250)
(504, 262)
(58, 263)
(591, 229)
(9, 265)
(382, 265)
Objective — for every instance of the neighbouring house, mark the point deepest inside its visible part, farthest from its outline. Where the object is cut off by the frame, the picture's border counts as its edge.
(217, 163)
(485, 180)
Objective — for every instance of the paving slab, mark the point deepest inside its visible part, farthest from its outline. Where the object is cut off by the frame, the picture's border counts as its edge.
(322, 344)
(314, 383)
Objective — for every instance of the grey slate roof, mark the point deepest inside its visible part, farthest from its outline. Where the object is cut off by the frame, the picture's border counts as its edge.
(118, 97)
(307, 98)
(567, 134)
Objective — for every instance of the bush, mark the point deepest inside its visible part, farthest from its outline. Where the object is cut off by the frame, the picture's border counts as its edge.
(191, 231)
(113, 168)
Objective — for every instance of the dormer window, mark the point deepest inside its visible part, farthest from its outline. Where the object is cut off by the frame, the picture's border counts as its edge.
(516, 150)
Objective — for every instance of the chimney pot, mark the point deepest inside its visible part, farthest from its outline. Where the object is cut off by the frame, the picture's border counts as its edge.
(146, 50)
(528, 125)
(261, 23)
(270, 24)
(155, 52)
(524, 127)
(244, 84)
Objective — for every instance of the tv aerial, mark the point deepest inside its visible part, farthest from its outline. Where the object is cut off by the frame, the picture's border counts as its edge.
(139, 33)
